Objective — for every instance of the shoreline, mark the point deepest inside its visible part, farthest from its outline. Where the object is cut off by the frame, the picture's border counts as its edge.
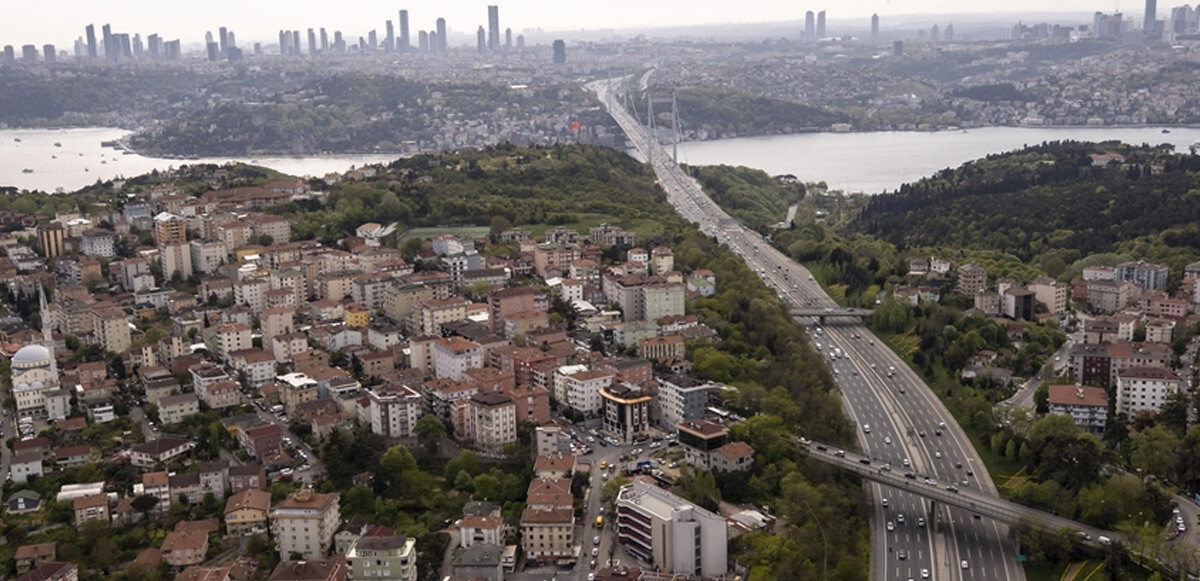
(169, 156)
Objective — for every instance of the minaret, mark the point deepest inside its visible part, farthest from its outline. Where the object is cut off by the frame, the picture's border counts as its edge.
(47, 336)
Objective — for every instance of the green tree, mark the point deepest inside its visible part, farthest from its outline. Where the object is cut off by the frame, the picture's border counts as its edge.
(430, 431)
(1154, 449)
(145, 503)
(1041, 399)
(398, 466)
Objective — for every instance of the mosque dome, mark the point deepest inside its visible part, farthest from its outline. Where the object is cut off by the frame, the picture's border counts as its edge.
(31, 355)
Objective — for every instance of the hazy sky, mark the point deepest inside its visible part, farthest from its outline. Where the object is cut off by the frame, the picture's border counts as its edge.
(26, 22)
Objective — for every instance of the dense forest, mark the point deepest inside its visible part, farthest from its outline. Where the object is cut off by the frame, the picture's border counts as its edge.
(1053, 197)
(749, 194)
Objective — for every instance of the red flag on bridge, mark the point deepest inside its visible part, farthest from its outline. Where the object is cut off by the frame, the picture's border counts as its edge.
(576, 125)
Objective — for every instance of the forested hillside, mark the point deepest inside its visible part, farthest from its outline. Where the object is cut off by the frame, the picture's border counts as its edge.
(749, 194)
(1050, 197)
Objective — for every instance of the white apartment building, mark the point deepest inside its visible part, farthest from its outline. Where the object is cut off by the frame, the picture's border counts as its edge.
(492, 421)
(671, 533)
(1144, 389)
(394, 411)
(453, 356)
(583, 390)
(305, 523)
(391, 558)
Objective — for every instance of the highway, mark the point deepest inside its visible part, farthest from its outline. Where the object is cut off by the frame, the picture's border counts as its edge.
(898, 408)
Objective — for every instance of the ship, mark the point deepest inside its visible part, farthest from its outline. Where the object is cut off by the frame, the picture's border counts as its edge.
(1166, 130)
(26, 170)
(57, 144)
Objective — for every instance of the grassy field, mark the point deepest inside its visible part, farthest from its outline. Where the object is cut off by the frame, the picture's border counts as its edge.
(429, 232)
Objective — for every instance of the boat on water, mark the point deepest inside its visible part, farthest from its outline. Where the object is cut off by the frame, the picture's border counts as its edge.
(57, 144)
(26, 170)
(1166, 130)
(17, 139)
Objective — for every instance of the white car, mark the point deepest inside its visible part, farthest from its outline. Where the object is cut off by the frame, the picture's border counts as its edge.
(937, 454)
(924, 573)
(964, 564)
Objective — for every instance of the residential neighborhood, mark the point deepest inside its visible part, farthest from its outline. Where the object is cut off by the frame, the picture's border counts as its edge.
(179, 355)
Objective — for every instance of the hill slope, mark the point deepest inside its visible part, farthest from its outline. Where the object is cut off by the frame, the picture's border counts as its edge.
(1047, 197)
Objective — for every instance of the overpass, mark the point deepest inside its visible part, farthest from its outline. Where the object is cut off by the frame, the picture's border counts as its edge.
(950, 493)
(827, 313)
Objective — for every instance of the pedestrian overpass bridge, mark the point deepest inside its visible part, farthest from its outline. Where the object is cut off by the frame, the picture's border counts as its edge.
(977, 501)
(822, 315)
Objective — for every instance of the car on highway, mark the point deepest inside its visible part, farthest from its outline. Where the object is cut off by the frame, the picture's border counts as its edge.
(891, 526)
(921, 521)
(937, 454)
(902, 555)
(900, 518)
(596, 540)
(924, 573)
(964, 565)
(887, 440)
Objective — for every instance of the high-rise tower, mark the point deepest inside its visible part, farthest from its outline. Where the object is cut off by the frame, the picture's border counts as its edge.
(821, 24)
(442, 45)
(493, 38)
(810, 28)
(91, 41)
(404, 40)
(1150, 19)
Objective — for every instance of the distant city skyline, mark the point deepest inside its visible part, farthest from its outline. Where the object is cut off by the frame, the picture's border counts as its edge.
(31, 23)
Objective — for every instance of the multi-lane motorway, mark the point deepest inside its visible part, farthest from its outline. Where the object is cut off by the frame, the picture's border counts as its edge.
(911, 539)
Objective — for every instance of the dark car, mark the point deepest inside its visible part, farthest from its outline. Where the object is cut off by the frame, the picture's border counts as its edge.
(910, 475)
(864, 460)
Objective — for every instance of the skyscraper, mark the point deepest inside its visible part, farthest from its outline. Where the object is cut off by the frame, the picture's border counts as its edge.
(214, 50)
(1149, 20)
(442, 45)
(949, 34)
(874, 28)
(106, 35)
(507, 38)
(389, 39)
(481, 43)
(422, 41)
(223, 35)
(493, 39)
(312, 42)
(821, 24)
(48, 54)
(405, 43)
(560, 52)
(283, 42)
(8, 57)
(810, 27)
(372, 41)
(91, 41)
(29, 54)
(324, 40)
(154, 45)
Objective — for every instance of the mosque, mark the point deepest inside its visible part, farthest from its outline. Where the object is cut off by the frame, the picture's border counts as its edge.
(35, 371)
